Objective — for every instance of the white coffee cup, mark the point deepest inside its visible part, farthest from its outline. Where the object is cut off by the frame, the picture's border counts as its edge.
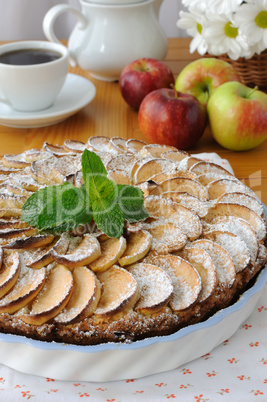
(32, 87)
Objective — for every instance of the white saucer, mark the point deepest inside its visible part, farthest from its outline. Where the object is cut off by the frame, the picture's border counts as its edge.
(76, 93)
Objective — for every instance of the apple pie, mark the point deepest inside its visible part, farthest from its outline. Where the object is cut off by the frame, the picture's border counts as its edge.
(199, 249)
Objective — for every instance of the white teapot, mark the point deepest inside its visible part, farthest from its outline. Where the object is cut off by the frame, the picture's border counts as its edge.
(110, 34)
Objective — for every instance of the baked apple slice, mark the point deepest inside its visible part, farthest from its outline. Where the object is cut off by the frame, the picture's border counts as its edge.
(185, 279)
(167, 237)
(41, 170)
(15, 161)
(30, 242)
(189, 201)
(202, 262)
(243, 199)
(74, 146)
(134, 146)
(120, 291)
(53, 297)
(203, 167)
(111, 250)
(42, 256)
(156, 150)
(152, 167)
(26, 288)
(239, 211)
(9, 273)
(183, 184)
(155, 287)
(227, 185)
(138, 245)
(235, 246)
(221, 259)
(83, 253)
(84, 298)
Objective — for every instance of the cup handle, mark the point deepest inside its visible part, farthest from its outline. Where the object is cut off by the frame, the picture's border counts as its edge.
(49, 21)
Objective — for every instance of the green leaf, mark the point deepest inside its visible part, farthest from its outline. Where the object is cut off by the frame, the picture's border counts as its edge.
(54, 206)
(131, 203)
(64, 207)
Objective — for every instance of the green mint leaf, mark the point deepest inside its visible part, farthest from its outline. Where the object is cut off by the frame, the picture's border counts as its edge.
(60, 208)
(109, 218)
(131, 203)
(64, 207)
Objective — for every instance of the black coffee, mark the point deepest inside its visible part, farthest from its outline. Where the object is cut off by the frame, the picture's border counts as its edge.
(24, 57)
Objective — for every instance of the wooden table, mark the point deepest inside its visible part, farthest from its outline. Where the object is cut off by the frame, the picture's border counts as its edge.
(109, 115)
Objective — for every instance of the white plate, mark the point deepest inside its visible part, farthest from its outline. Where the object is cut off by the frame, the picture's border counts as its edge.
(76, 93)
(109, 362)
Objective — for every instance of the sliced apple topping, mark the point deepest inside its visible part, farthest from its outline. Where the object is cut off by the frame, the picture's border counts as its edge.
(35, 154)
(25, 181)
(83, 254)
(84, 298)
(185, 279)
(235, 246)
(160, 177)
(10, 212)
(53, 297)
(30, 242)
(188, 201)
(10, 233)
(151, 167)
(239, 211)
(12, 224)
(175, 155)
(12, 201)
(15, 161)
(74, 146)
(135, 146)
(184, 218)
(138, 245)
(111, 250)
(167, 237)
(119, 177)
(64, 166)
(6, 170)
(56, 150)
(120, 291)
(227, 185)
(26, 288)
(122, 162)
(118, 144)
(42, 256)
(202, 262)
(155, 287)
(15, 189)
(243, 199)
(98, 143)
(183, 184)
(41, 170)
(221, 259)
(9, 272)
(156, 150)
(240, 228)
(206, 178)
(203, 167)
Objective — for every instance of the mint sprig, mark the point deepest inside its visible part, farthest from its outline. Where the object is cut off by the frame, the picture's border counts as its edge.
(64, 207)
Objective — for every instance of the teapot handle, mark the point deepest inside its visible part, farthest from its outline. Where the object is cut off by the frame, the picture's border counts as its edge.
(49, 21)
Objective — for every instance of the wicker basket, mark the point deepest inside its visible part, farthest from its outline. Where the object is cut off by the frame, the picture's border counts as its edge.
(252, 72)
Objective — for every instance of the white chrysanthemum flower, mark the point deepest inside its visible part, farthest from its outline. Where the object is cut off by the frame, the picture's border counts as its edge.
(222, 37)
(219, 7)
(193, 22)
(252, 21)
(195, 5)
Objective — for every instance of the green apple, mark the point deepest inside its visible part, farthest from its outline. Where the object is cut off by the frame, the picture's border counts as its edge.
(238, 116)
(200, 77)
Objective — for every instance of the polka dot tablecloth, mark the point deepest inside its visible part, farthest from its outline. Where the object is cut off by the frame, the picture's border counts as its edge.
(234, 371)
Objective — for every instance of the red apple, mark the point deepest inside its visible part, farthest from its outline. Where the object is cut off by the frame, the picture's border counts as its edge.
(238, 116)
(202, 76)
(142, 76)
(173, 118)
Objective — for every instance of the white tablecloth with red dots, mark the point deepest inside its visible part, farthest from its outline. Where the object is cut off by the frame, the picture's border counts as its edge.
(235, 371)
